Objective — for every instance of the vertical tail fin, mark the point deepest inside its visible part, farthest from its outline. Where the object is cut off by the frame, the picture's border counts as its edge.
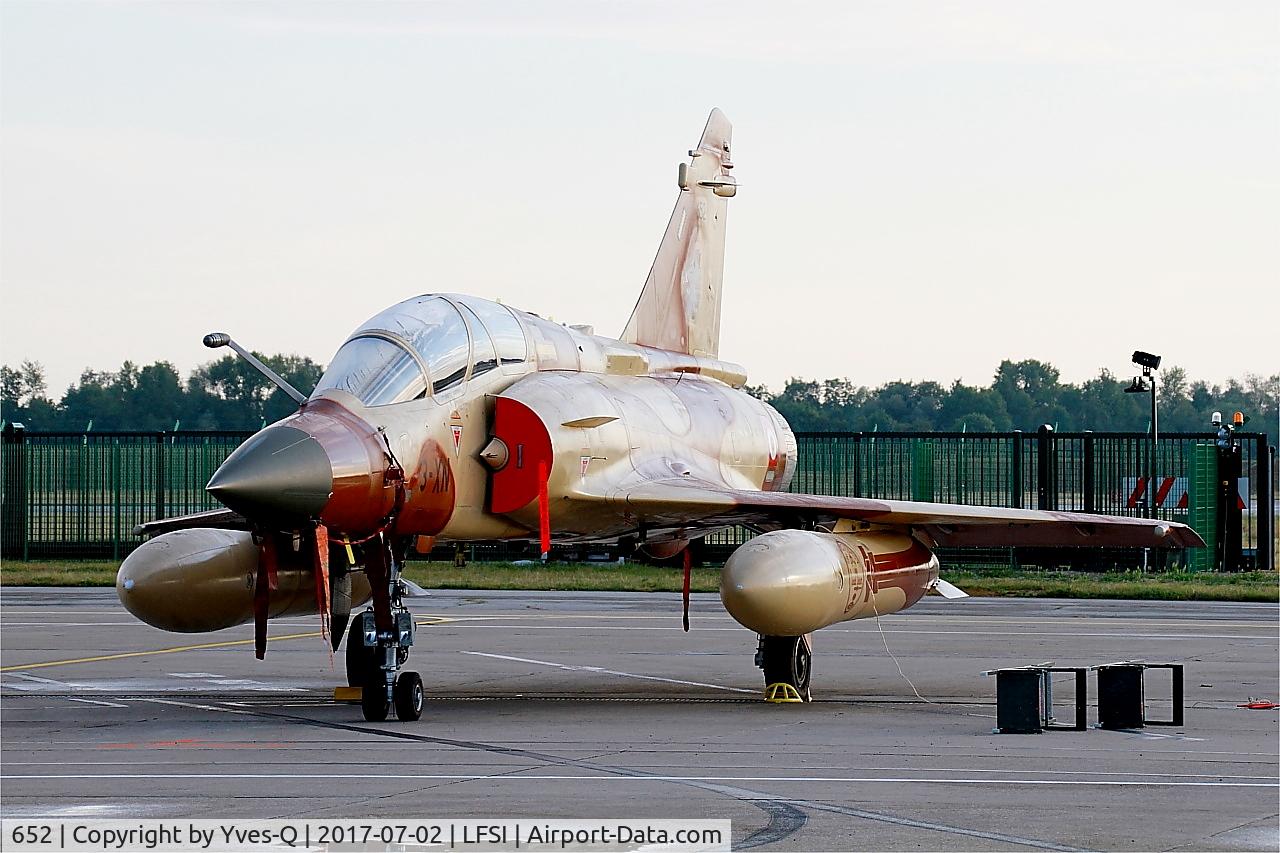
(679, 307)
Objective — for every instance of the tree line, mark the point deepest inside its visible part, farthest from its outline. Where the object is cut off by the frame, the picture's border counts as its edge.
(228, 394)
(1023, 395)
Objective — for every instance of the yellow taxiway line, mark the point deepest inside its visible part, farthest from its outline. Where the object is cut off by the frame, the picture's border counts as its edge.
(435, 620)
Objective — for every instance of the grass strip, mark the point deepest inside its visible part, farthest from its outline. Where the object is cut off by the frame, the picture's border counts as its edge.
(1170, 586)
(635, 577)
(58, 573)
(595, 577)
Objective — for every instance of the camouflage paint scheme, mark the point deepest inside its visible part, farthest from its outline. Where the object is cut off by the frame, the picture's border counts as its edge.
(648, 437)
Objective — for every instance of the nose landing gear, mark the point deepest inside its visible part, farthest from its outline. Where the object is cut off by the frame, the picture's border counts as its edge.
(378, 645)
(374, 659)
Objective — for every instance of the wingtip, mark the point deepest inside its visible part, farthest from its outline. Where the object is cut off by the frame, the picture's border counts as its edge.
(1179, 535)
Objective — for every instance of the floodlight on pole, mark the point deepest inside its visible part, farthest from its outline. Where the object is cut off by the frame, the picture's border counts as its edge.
(1149, 363)
(1146, 360)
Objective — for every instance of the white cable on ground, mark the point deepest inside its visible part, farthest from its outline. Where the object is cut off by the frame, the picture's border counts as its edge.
(892, 656)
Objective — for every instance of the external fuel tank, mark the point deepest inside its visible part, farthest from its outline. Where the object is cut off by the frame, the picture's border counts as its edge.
(790, 582)
(203, 579)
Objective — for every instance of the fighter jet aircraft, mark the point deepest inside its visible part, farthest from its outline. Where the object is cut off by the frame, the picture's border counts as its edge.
(447, 418)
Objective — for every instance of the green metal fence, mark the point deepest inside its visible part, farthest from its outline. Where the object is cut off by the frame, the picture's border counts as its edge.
(69, 495)
(81, 494)
(1083, 472)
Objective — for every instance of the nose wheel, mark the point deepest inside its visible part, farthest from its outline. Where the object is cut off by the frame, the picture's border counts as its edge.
(786, 660)
(362, 663)
(409, 697)
(378, 646)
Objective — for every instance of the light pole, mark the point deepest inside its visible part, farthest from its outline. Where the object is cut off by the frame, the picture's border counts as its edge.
(1147, 382)
(1141, 384)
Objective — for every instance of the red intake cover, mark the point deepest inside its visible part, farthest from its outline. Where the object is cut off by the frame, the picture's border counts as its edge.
(528, 443)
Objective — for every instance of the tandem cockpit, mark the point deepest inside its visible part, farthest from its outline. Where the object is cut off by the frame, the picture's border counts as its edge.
(423, 347)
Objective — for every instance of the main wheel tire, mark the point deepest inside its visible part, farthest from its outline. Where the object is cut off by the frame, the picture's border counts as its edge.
(362, 663)
(788, 660)
(409, 696)
(374, 704)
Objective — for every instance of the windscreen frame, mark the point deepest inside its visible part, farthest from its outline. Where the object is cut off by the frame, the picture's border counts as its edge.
(423, 386)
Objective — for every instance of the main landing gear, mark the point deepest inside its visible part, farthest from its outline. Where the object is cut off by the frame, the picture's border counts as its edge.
(786, 661)
(378, 645)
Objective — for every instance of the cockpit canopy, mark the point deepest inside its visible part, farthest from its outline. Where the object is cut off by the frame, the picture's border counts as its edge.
(425, 345)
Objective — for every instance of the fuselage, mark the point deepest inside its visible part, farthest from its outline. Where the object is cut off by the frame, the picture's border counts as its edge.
(411, 405)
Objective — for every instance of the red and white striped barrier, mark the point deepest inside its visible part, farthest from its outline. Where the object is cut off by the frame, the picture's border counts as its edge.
(1172, 492)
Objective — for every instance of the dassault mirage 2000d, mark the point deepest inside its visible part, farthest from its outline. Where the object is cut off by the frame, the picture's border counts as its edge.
(447, 418)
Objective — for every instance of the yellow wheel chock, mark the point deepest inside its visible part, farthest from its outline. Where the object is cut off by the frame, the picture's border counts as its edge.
(347, 694)
(781, 692)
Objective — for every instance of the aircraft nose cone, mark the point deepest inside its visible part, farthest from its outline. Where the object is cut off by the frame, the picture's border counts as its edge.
(279, 474)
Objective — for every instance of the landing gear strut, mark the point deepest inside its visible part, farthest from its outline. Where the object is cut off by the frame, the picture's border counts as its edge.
(786, 660)
(379, 644)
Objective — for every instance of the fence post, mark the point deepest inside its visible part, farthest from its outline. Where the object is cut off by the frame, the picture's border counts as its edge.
(1264, 507)
(1015, 471)
(922, 486)
(1087, 480)
(160, 474)
(857, 465)
(115, 511)
(1046, 495)
(13, 517)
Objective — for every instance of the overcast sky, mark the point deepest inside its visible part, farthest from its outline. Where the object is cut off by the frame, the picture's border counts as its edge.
(927, 188)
